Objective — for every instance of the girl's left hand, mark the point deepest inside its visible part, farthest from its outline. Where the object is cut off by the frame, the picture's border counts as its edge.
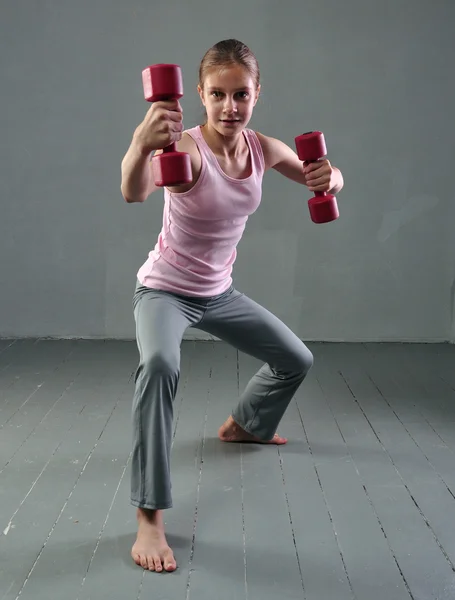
(320, 175)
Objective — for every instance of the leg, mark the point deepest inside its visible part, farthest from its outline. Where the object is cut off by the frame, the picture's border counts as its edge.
(252, 329)
(161, 320)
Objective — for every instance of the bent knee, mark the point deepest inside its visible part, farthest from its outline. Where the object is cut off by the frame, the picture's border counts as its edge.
(301, 361)
(162, 363)
(306, 360)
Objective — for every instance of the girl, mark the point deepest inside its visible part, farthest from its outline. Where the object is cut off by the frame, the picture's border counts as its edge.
(186, 280)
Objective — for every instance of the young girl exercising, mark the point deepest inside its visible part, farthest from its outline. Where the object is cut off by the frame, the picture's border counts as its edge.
(186, 280)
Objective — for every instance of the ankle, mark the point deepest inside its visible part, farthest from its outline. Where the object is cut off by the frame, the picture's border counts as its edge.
(147, 514)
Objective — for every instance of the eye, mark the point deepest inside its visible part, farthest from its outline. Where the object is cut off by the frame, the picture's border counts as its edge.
(243, 95)
(216, 94)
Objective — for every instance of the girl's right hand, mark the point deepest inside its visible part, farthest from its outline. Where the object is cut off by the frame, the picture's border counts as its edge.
(162, 126)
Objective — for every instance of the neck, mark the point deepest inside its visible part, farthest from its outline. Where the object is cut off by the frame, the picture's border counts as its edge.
(230, 146)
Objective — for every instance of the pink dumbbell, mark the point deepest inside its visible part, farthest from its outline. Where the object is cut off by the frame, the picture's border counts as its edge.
(323, 206)
(164, 82)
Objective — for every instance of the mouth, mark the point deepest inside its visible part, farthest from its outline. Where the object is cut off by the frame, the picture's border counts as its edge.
(230, 120)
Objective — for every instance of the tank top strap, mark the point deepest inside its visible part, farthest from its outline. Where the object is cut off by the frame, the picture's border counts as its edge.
(257, 155)
(196, 134)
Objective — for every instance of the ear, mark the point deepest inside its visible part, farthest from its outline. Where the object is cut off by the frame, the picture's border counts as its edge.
(200, 91)
(258, 91)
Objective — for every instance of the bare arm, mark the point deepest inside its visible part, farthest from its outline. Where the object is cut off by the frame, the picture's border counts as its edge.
(318, 176)
(137, 180)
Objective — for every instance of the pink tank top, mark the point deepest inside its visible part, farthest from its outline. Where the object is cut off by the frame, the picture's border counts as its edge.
(196, 248)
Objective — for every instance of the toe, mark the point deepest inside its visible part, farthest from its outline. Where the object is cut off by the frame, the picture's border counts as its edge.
(150, 563)
(170, 565)
(158, 564)
(143, 562)
(169, 562)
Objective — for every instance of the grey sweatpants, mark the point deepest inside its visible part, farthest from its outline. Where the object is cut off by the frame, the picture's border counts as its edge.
(161, 320)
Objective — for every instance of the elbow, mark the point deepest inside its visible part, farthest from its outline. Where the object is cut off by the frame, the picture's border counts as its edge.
(131, 199)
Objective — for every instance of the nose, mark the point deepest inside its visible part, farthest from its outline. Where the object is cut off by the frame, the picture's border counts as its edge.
(230, 105)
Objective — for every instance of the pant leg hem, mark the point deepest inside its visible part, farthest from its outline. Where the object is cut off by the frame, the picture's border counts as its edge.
(163, 506)
(248, 430)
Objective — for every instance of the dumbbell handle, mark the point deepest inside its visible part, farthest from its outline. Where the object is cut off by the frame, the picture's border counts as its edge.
(171, 148)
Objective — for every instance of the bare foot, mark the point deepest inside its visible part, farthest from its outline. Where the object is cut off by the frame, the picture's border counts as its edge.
(151, 550)
(231, 432)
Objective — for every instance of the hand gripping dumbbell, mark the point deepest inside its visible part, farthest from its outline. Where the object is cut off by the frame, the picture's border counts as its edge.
(311, 147)
(165, 82)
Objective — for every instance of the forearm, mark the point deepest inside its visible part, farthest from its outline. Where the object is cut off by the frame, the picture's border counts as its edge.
(339, 182)
(136, 183)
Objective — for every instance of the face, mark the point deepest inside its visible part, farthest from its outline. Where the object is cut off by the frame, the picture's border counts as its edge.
(229, 96)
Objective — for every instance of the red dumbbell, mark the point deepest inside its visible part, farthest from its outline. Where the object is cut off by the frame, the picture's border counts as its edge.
(311, 147)
(164, 82)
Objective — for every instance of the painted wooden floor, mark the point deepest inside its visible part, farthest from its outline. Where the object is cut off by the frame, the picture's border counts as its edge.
(360, 504)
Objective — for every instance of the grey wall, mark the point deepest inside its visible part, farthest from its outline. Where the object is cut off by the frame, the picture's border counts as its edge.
(376, 77)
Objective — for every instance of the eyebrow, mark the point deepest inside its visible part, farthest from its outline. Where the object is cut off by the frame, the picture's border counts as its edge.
(219, 89)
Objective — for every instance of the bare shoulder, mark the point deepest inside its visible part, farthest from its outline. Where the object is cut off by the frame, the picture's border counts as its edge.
(274, 150)
(282, 158)
(188, 145)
